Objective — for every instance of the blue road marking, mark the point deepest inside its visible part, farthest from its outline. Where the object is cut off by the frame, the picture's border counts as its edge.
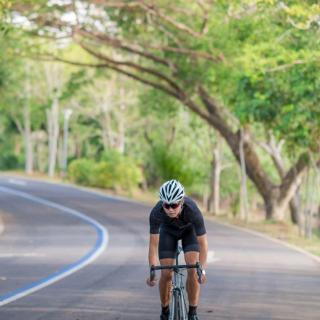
(99, 247)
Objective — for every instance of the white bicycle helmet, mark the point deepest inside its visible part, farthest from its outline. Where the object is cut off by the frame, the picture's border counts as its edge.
(171, 191)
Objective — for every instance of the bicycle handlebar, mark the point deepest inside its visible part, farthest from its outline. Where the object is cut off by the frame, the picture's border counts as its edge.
(176, 268)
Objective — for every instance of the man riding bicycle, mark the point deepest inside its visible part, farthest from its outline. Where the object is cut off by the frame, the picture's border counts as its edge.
(177, 217)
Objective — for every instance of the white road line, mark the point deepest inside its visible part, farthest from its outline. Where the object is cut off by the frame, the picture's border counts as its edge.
(211, 258)
(19, 255)
(17, 182)
(100, 245)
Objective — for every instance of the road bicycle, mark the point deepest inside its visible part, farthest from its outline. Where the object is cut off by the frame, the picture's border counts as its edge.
(178, 302)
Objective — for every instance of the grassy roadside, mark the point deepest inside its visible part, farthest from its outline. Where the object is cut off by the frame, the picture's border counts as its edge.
(283, 231)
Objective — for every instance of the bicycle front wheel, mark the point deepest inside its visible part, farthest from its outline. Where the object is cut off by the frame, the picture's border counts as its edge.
(178, 306)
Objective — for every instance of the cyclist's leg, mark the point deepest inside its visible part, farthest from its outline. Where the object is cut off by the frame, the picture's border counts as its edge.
(167, 251)
(192, 284)
(191, 256)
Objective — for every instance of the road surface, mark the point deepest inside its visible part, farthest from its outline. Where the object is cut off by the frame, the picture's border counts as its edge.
(70, 254)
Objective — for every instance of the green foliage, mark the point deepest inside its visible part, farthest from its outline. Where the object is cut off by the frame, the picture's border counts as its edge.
(8, 161)
(113, 171)
(77, 80)
(259, 58)
(166, 164)
(157, 103)
(103, 176)
(8, 158)
(119, 171)
(81, 171)
(285, 102)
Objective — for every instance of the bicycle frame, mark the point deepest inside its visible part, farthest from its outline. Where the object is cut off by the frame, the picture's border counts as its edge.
(178, 303)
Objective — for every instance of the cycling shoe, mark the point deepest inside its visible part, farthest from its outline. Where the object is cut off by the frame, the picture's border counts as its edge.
(193, 317)
(164, 316)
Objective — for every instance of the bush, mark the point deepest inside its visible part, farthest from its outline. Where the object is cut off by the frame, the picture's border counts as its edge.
(113, 171)
(168, 164)
(128, 174)
(8, 161)
(118, 171)
(103, 176)
(81, 171)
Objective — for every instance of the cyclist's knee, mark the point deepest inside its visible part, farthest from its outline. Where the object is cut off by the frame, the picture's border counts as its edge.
(166, 275)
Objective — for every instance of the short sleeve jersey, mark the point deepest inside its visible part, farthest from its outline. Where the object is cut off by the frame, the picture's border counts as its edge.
(190, 215)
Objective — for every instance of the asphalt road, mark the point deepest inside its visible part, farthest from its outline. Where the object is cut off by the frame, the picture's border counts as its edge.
(57, 264)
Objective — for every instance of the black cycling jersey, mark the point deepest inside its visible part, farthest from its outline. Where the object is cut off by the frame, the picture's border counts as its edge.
(189, 216)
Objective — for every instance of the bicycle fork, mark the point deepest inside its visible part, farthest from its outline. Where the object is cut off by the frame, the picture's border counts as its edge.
(178, 308)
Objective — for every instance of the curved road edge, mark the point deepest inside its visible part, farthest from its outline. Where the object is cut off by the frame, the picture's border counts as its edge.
(122, 198)
(89, 257)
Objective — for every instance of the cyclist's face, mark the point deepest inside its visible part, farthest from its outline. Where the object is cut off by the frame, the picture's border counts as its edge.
(173, 212)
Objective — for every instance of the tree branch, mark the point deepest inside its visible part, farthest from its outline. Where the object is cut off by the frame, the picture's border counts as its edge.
(113, 67)
(149, 8)
(129, 64)
(293, 173)
(116, 43)
(180, 26)
(289, 65)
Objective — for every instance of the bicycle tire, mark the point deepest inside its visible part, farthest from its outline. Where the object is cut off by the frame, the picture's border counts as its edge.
(177, 306)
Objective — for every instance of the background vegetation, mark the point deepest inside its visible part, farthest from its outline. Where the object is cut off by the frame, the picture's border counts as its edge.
(223, 96)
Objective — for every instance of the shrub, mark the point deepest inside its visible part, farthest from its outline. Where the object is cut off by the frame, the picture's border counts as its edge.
(128, 174)
(8, 161)
(119, 171)
(168, 164)
(81, 171)
(112, 171)
(103, 176)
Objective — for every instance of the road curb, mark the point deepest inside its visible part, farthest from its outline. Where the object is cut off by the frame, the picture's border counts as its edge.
(262, 235)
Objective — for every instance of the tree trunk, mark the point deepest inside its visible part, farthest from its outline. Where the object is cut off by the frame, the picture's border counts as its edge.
(214, 195)
(295, 214)
(276, 198)
(120, 143)
(27, 131)
(105, 123)
(274, 150)
(53, 134)
(28, 139)
(39, 139)
(244, 211)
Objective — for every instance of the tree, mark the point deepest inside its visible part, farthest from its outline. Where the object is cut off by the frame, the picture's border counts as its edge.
(189, 53)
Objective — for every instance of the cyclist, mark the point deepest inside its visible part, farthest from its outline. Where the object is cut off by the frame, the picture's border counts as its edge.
(176, 217)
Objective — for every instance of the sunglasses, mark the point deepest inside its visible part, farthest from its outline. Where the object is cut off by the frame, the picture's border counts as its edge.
(171, 205)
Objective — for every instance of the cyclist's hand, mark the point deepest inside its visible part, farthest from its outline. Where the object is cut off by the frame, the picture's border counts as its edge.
(151, 283)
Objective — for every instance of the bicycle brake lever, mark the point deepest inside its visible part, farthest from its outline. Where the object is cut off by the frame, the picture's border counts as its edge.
(199, 272)
(152, 273)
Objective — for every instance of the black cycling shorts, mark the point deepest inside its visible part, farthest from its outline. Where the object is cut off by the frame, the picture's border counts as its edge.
(168, 242)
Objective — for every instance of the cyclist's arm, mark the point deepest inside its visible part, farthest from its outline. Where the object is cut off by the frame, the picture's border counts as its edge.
(153, 249)
(203, 248)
